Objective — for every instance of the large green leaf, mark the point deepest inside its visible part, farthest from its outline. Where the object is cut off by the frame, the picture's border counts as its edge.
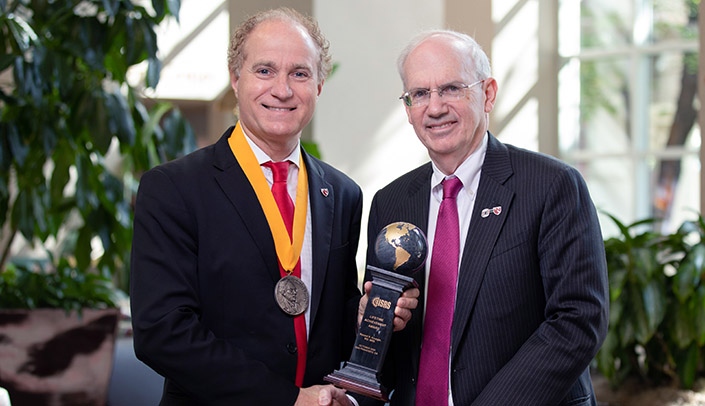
(60, 175)
(646, 310)
(101, 134)
(605, 357)
(92, 34)
(683, 330)
(689, 273)
(84, 192)
(179, 137)
(616, 311)
(121, 120)
(617, 279)
(18, 148)
(687, 364)
(700, 315)
(654, 296)
(163, 8)
(154, 66)
(645, 266)
(22, 33)
(49, 139)
(174, 7)
(22, 215)
(82, 250)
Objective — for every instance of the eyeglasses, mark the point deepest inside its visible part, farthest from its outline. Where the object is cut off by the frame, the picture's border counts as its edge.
(451, 91)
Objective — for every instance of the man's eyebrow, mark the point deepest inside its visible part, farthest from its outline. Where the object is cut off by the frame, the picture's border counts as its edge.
(302, 67)
(452, 82)
(273, 65)
(268, 64)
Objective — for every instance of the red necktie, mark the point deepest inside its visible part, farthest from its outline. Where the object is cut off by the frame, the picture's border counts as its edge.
(432, 386)
(280, 170)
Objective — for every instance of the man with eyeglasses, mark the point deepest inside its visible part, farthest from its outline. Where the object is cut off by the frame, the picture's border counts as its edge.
(514, 301)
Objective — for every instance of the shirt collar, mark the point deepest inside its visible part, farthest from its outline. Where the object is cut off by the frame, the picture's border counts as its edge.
(468, 172)
(262, 156)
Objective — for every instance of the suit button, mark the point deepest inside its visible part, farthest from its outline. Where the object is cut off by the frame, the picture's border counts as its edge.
(291, 347)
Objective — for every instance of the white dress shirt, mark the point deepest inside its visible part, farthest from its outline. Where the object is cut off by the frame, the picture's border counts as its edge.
(469, 173)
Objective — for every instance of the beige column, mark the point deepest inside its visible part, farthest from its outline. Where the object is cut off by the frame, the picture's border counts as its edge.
(548, 71)
(241, 9)
(473, 18)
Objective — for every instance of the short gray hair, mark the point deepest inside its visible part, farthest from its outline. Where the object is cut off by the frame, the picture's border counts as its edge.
(477, 58)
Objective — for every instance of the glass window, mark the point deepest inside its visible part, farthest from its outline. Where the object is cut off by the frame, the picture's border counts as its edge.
(627, 105)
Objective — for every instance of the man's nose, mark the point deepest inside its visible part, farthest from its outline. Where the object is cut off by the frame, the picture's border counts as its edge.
(281, 88)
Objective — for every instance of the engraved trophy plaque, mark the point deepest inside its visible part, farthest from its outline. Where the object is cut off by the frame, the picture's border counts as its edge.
(400, 248)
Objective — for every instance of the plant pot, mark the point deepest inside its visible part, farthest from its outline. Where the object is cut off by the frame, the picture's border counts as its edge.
(50, 357)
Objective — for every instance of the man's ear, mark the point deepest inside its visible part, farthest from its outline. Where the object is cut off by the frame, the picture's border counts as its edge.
(490, 88)
(320, 87)
(233, 82)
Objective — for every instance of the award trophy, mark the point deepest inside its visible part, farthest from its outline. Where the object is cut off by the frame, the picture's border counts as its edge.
(400, 247)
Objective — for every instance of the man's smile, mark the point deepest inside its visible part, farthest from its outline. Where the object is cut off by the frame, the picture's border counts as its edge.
(274, 108)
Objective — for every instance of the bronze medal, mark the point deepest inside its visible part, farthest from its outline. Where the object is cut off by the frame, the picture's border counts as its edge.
(291, 295)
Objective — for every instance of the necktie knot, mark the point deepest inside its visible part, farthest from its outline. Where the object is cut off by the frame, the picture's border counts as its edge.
(280, 170)
(451, 187)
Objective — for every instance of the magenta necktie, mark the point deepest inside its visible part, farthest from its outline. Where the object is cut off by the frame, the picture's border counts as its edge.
(432, 389)
(280, 172)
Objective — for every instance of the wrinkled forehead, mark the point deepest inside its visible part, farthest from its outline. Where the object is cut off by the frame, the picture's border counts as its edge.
(281, 43)
(436, 61)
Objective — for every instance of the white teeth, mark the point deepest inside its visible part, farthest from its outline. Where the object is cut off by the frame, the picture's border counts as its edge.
(434, 127)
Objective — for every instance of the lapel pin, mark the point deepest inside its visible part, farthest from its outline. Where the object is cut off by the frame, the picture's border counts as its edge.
(324, 191)
(497, 210)
(485, 213)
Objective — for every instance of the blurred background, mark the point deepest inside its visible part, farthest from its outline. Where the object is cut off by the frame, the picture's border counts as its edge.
(608, 86)
(611, 87)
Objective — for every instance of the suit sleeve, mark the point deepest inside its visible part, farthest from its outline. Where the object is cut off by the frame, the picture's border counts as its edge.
(168, 333)
(574, 276)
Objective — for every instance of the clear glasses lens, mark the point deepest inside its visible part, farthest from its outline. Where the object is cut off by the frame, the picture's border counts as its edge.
(451, 91)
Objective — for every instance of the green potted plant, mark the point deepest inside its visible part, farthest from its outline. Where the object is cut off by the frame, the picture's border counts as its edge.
(74, 136)
(656, 334)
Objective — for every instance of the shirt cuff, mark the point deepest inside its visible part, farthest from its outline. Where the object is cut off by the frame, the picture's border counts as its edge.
(353, 400)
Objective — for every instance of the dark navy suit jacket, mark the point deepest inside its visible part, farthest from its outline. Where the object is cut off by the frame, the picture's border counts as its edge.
(532, 301)
(203, 273)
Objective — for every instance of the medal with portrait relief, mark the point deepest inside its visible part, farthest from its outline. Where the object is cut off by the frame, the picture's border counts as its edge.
(291, 295)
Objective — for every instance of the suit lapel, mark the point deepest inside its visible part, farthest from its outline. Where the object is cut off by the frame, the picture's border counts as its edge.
(237, 188)
(483, 232)
(416, 212)
(322, 197)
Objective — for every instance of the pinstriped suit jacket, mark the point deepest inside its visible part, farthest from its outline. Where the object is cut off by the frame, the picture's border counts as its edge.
(532, 301)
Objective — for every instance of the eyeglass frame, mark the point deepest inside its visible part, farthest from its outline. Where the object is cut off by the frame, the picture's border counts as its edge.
(406, 97)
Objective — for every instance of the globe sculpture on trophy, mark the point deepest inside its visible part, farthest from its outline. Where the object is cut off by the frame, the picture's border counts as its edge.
(401, 250)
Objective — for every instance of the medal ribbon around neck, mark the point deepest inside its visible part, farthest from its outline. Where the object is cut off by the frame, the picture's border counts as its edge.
(288, 249)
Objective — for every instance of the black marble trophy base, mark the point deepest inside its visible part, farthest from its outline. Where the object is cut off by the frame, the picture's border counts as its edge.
(361, 373)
